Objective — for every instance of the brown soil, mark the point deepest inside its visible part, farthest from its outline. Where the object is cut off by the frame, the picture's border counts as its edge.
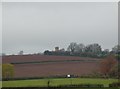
(51, 69)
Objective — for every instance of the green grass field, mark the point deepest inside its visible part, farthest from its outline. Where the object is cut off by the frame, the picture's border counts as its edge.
(56, 82)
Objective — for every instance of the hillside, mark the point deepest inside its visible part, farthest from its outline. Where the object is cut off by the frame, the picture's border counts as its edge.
(46, 66)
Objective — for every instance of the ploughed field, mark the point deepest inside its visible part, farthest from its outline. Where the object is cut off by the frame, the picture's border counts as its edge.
(46, 66)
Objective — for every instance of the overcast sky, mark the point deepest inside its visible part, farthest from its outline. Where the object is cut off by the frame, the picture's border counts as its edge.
(35, 27)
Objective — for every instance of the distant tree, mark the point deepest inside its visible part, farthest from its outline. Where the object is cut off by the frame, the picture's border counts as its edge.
(116, 49)
(72, 47)
(80, 48)
(20, 53)
(93, 50)
(7, 71)
(47, 52)
(107, 64)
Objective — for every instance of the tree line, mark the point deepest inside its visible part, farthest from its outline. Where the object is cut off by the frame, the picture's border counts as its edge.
(75, 49)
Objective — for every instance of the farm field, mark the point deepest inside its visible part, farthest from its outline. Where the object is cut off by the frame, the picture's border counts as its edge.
(39, 58)
(56, 82)
(45, 66)
(54, 69)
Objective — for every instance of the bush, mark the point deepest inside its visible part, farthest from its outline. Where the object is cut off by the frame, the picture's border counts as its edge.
(7, 71)
(116, 84)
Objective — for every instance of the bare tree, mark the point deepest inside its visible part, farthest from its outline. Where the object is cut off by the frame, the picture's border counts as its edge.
(80, 48)
(93, 48)
(72, 47)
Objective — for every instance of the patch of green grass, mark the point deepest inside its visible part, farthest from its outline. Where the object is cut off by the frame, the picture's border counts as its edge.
(56, 82)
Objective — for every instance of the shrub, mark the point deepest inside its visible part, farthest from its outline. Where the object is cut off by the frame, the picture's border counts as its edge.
(115, 84)
(7, 71)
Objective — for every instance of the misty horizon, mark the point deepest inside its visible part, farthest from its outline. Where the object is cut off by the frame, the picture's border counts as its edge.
(36, 27)
(41, 52)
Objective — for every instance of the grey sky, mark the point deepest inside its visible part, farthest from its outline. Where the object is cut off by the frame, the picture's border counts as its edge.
(35, 27)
